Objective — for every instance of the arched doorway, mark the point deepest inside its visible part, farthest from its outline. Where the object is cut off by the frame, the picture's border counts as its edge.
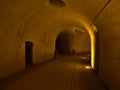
(74, 41)
(95, 58)
(63, 43)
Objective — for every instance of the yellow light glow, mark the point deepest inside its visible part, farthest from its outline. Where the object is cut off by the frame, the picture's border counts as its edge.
(92, 37)
(92, 50)
(87, 67)
(86, 25)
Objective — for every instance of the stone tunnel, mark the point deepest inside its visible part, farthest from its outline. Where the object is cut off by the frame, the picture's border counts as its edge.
(32, 32)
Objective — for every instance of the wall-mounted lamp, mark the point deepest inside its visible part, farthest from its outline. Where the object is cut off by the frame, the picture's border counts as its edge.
(57, 3)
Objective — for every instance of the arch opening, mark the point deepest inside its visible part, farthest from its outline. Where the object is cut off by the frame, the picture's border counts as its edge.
(94, 37)
(63, 43)
(66, 44)
(74, 41)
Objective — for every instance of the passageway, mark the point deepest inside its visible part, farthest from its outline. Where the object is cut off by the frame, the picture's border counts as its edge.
(34, 32)
(63, 43)
(65, 73)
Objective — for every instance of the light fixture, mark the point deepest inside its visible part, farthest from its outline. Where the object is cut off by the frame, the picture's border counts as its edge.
(87, 67)
(57, 3)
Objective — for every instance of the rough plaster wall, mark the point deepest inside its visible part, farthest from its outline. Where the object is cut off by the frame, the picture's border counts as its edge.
(81, 43)
(30, 21)
(109, 26)
(80, 40)
(15, 17)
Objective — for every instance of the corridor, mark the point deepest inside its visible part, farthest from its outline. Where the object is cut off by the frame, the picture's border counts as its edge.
(65, 73)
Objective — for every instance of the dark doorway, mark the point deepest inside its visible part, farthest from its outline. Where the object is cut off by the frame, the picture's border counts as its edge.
(28, 53)
(62, 45)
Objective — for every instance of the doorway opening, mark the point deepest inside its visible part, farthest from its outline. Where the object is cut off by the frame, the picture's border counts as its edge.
(95, 49)
(74, 42)
(62, 45)
(28, 53)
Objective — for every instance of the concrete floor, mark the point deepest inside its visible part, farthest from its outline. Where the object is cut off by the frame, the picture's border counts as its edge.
(67, 73)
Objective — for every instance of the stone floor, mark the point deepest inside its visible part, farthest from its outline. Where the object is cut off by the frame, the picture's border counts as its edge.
(67, 73)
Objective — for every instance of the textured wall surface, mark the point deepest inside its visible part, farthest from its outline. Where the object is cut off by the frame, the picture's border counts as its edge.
(109, 27)
(34, 21)
(40, 22)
